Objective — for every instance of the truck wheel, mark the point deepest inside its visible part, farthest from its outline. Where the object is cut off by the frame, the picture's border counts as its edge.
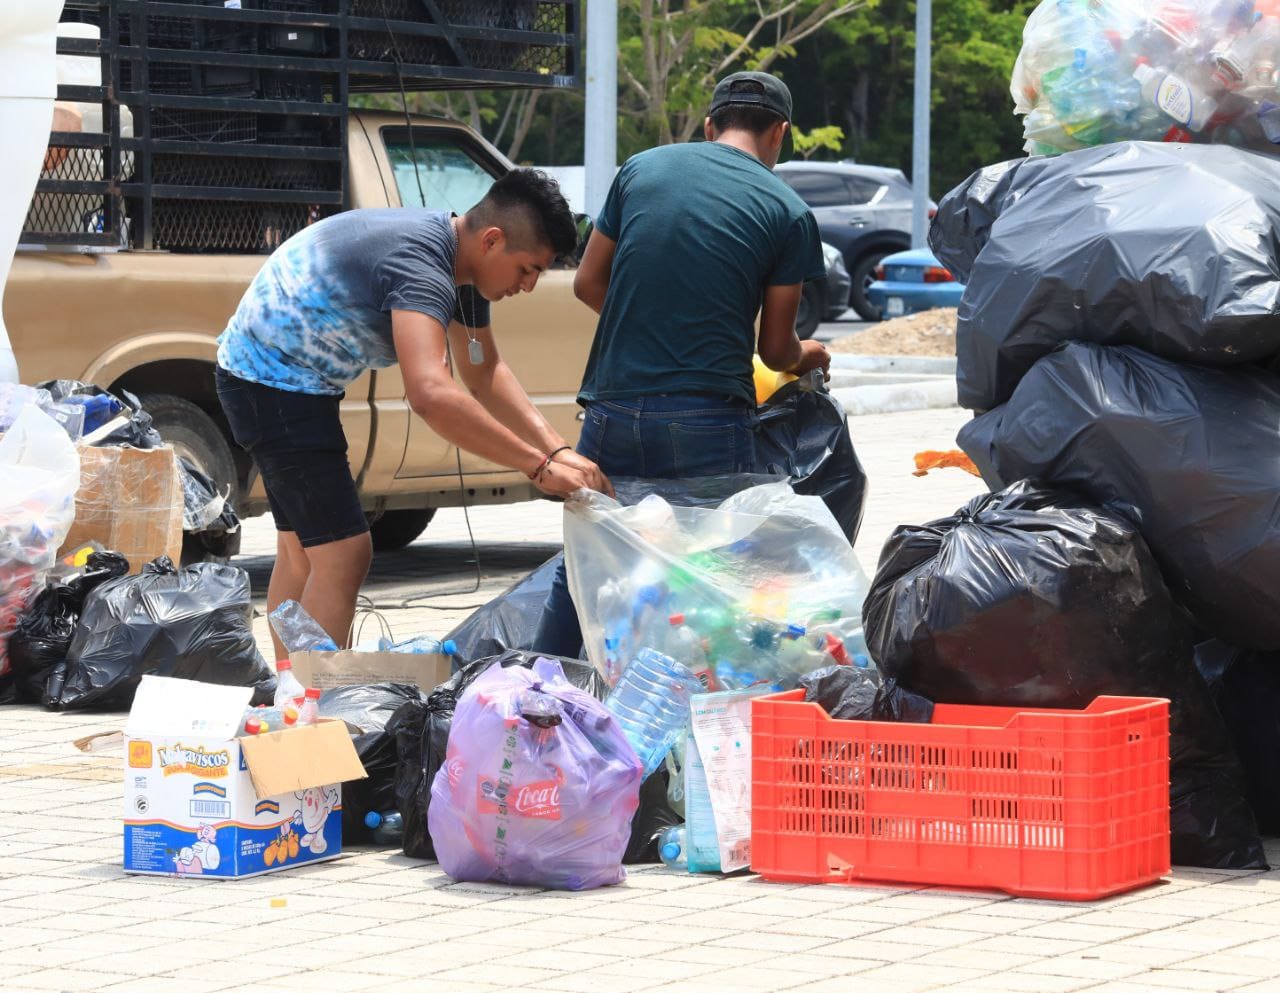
(396, 529)
(194, 435)
(809, 313)
(861, 276)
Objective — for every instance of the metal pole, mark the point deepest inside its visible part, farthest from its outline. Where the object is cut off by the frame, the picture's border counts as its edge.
(601, 135)
(920, 126)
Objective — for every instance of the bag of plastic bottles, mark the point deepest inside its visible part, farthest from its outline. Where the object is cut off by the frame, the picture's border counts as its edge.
(538, 786)
(1079, 249)
(44, 632)
(1033, 597)
(188, 624)
(1190, 455)
(762, 588)
(1182, 70)
(40, 471)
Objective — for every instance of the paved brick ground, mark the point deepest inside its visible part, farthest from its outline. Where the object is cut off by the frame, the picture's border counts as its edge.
(373, 920)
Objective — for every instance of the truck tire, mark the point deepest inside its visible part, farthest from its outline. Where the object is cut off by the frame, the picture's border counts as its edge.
(396, 529)
(809, 313)
(194, 435)
(861, 278)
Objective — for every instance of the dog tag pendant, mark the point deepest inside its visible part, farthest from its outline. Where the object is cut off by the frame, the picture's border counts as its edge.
(475, 351)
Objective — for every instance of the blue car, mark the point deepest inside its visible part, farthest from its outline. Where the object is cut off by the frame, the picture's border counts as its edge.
(906, 282)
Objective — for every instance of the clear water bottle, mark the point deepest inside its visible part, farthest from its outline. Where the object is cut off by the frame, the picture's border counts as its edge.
(423, 645)
(298, 631)
(671, 848)
(288, 689)
(651, 704)
(388, 828)
(309, 712)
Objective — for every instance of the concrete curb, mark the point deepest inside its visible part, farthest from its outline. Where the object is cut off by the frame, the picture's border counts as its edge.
(928, 365)
(897, 397)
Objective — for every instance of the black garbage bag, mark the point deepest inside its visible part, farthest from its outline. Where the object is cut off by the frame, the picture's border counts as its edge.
(1246, 687)
(1191, 455)
(509, 620)
(1169, 247)
(193, 624)
(44, 632)
(421, 733)
(369, 706)
(137, 431)
(857, 693)
(654, 815)
(1034, 597)
(804, 434)
(209, 521)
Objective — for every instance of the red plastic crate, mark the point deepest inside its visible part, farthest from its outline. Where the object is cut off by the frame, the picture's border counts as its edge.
(1064, 804)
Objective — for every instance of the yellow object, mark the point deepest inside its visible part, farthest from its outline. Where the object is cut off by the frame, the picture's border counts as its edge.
(279, 902)
(767, 381)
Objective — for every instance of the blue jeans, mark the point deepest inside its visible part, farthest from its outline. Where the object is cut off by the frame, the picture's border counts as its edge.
(657, 437)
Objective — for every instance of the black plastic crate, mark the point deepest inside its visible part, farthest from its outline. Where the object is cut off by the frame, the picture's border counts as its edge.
(222, 172)
(213, 226)
(168, 124)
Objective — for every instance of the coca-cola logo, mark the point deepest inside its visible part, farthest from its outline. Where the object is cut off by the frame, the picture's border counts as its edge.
(539, 800)
(453, 769)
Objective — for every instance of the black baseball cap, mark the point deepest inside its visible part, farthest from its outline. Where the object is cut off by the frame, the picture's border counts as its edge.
(756, 89)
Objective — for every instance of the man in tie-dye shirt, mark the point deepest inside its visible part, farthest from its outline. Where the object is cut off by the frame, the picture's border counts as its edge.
(364, 290)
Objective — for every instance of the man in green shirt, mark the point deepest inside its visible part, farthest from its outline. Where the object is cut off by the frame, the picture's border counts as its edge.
(695, 242)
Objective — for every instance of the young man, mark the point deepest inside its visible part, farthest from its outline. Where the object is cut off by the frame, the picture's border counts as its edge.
(694, 243)
(366, 289)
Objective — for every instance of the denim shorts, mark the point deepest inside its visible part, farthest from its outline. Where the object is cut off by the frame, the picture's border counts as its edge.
(297, 442)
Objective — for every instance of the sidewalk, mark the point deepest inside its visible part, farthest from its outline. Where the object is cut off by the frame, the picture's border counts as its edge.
(374, 920)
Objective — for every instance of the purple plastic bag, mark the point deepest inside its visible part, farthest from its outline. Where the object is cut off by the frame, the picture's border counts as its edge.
(538, 786)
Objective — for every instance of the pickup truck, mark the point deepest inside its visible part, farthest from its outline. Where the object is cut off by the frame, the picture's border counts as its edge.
(146, 321)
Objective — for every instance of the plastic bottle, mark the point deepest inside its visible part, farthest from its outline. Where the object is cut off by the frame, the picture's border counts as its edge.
(298, 630)
(671, 848)
(684, 645)
(1183, 101)
(388, 828)
(651, 704)
(309, 713)
(424, 645)
(288, 689)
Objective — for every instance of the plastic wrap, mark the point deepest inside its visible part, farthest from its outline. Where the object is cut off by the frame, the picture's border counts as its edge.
(193, 624)
(1191, 455)
(1033, 597)
(1170, 248)
(762, 588)
(40, 470)
(421, 733)
(538, 787)
(135, 427)
(1091, 73)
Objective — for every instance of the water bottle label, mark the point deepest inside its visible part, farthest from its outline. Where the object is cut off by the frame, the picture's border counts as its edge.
(1175, 99)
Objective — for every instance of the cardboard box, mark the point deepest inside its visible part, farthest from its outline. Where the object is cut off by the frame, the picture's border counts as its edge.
(325, 670)
(130, 501)
(200, 801)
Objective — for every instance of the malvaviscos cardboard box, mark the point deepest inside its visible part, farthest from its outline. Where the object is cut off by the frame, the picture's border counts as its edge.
(200, 801)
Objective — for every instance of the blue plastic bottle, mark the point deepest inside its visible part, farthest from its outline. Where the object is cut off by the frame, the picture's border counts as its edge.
(671, 848)
(651, 704)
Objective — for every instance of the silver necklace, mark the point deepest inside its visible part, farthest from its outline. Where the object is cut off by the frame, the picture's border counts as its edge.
(475, 347)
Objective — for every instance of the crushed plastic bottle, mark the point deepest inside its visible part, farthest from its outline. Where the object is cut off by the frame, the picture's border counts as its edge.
(298, 630)
(671, 848)
(386, 828)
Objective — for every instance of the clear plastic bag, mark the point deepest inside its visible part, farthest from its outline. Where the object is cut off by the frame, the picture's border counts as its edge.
(762, 588)
(41, 471)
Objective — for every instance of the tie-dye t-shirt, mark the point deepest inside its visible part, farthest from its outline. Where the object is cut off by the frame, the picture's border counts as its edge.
(318, 314)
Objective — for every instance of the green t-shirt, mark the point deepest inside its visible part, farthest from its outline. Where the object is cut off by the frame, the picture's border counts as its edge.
(701, 230)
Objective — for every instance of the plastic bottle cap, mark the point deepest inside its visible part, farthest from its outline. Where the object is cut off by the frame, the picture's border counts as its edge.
(253, 726)
(312, 693)
(449, 647)
(372, 820)
(283, 665)
(675, 620)
(290, 716)
(796, 630)
(861, 661)
(278, 902)
(670, 851)
(610, 644)
(649, 594)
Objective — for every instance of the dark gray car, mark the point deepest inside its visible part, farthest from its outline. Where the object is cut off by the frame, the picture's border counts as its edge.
(863, 210)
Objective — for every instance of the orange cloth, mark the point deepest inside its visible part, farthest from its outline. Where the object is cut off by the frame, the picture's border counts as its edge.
(953, 459)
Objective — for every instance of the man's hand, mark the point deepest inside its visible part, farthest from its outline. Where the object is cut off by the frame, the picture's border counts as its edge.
(560, 480)
(596, 479)
(813, 355)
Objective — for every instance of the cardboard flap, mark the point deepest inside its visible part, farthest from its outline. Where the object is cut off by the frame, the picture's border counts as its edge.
(325, 670)
(182, 707)
(300, 758)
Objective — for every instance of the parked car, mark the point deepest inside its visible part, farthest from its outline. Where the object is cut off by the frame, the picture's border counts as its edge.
(863, 210)
(824, 299)
(906, 282)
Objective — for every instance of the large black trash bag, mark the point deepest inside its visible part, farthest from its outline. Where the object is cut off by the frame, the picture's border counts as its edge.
(193, 624)
(209, 521)
(1170, 247)
(804, 434)
(1034, 597)
(44, 632)
(1191, 455)
(421, 732)
(369, 706)
(1246, 687)
(509, 620)
(857, 693)
(136, 431)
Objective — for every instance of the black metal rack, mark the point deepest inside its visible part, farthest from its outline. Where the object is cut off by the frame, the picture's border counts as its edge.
(239, 120)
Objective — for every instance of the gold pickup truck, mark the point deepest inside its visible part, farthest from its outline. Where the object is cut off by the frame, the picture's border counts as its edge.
(147, 322)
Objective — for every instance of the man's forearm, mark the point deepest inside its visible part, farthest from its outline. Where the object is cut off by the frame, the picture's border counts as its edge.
(504, 398)
(462, 420)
